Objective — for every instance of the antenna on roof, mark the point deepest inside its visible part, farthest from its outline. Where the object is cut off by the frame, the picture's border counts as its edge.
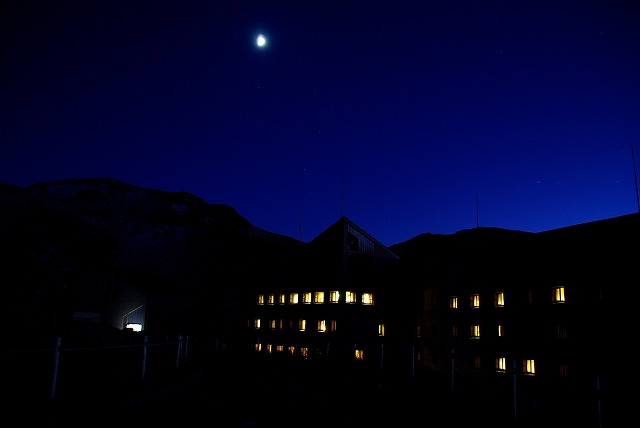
(477, 224)
(341, 193)
(635, 176)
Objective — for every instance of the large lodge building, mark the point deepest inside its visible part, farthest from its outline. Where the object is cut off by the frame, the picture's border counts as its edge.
(555, 304)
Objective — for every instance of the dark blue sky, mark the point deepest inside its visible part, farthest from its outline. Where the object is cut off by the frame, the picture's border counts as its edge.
(531, 105)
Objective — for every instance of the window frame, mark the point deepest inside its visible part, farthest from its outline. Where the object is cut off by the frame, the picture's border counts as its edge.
(498, 299)
(475, 331)
(293, 298)
(453, 302)
(318, 297)
(350, 297)
(529, 367)
(474, 301)
(557, 295)
(367, 299)
(306, 298)
(334, 297)
(260, 299)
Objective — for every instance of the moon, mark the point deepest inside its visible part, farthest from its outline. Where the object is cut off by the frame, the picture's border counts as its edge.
(261, 41)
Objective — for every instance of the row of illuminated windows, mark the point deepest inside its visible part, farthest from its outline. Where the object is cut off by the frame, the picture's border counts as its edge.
(291, 350)
(528, 366)
(475, 331)
(317, 298)
(557, 296)
(322, 325)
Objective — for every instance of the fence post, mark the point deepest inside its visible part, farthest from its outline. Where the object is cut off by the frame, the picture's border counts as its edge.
(186, 348)
(598, 401)
(144, 355)
(514, 390)
(179, 350)
(54, 374)
(453, 368)
(413, 361)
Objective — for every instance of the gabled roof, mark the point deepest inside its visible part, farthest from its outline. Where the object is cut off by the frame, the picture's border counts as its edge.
(339, 227)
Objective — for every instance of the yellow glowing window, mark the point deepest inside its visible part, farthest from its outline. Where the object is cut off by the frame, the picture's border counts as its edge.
(475, 301)
(291, 350)
(558, 295)
(257, 347)
(476, 362)
(529, 367)
(281, 299)
(271, 299)
(306, 298)
(501, 365)
(454, 330)
(280, 324)
(302, 325)
(475, 331)
(334, 296)
(562, 331)
(380, 329)
(564, 369)
(350, 297)
(304, 352)
(498, 299)
(279, 348)
(500, 330)
(256, 323)
(318, 297)
(272, 324)
(261, 299)
(334, 325)
(322, 326)
(359, 354)
(269, 348)
(453, 302)
(293, 298)
(367, 298)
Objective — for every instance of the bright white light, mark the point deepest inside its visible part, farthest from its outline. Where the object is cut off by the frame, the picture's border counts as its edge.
(261, 41)
(134, 327)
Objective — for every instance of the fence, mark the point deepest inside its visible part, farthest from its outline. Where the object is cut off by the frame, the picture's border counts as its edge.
(109, 364)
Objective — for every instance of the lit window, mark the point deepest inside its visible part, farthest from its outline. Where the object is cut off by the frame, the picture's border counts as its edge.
(562, 331)
(476, 362)
(272, 324)
(304, 352)
(261, 299)
(290, 324)
(257, 347)
(318, 297)
(280, 324)
(281, 299)
(334, 325)
(475, 331)
(380, 329)
(359, 354)
(271, 299)
(454, 331)
(334, 296)
(558, 295)
(453, 302)
(293, 298)
(269, 348)
(291, 350)
(529, 367)
(350, 297)
(279, 348)
(501, 365)
(302, 325)
(498, 299)
(475, 301)
(500, 330)
(564, 369)
(256, 323)
(367, 299)
(322, 326)
(306, 298)
(134, 326)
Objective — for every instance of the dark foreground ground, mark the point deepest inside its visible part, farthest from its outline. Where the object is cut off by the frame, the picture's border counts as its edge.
(220, 389)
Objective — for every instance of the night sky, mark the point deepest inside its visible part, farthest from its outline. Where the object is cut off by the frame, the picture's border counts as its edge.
(531, 105)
